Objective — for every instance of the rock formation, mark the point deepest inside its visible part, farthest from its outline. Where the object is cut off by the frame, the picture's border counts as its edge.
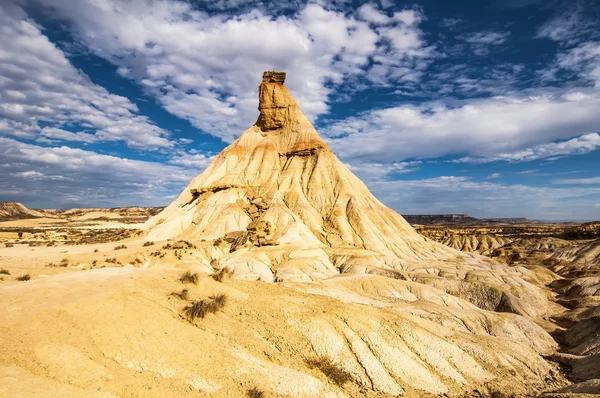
(280, 185)
(15, 210)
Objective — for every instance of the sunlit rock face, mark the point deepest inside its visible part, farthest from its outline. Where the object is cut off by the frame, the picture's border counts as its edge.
(281, 172)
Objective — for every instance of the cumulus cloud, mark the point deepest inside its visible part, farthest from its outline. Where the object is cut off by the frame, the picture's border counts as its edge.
(39, 86)
(378, 172)
(484, 127)
(205, 67)
(64, 176)
(576, 146)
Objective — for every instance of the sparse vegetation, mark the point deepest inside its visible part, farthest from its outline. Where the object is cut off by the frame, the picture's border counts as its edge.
(9, 245)
(64, 262)
(146, 244)
(334, 372)
(183, 244)
(111, 260)
(95, 250)
(183, 295)
(391, 273)
(255, 393)
(4, 271)
(221, 274)
(189, 277)
(120, 247)
(23, 278)
(200, 308)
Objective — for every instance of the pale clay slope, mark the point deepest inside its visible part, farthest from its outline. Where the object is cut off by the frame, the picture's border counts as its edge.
(277, 205)
(115, 332)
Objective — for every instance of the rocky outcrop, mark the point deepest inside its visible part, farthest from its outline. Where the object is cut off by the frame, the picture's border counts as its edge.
(15, 211)
(282, 186)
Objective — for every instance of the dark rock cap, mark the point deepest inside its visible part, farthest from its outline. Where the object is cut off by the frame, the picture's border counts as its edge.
(272, 76)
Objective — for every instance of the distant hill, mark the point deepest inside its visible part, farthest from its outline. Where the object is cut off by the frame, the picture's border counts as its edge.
(16, 210)
(459, 219)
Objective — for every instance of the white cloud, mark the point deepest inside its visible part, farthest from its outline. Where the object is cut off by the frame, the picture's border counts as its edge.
(379, 171)
(484, 127)
(205, 68)
(198, 160)
(578, 181)
(489, 38)
(63, 176)
(576, 146)
(39, 85)
(494, 176)
(569, 26)
(53, 133)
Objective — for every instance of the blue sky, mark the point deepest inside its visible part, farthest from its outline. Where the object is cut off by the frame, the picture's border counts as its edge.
(490, 108)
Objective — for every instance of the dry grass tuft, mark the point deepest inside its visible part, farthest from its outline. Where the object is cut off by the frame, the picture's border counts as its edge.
(9, 245)
(120, 247)
(333, 372)
(146, 244)
(221, 274)
(255, 393)
(23, 278)
(4, 271)
(200, 308)
(183, 295)
(188, 277)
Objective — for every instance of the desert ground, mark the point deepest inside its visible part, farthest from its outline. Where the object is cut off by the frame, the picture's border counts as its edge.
(276, 273)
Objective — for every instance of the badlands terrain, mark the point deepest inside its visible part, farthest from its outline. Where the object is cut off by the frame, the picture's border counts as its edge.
(276, 273)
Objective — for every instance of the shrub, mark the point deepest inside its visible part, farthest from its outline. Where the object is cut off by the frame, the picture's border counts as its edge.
(188, 277)
(9, 245)
(200, 308)
(20, 235)
(94, 263)
(255, 393)
(146, 244)
(4, 271)
(334, 372)
(121, 247)
(64, 262)
(111, 260)
(95, 250)
(183, 244)
(23, 278)
(183, 295)
(221, 274)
